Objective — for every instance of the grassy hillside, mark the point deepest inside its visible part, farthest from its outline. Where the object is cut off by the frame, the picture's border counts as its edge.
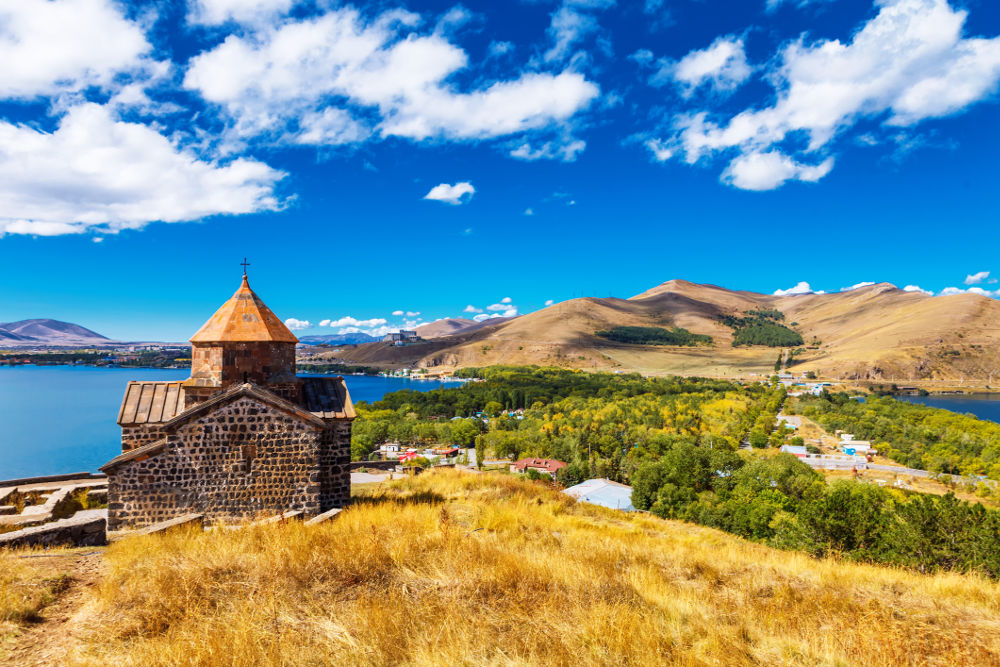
(454, 568)
(877, 333)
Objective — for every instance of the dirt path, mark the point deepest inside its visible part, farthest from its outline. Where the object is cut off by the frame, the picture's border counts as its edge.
(50, 640)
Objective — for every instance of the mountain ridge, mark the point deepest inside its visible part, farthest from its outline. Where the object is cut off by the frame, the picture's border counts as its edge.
(872, 333)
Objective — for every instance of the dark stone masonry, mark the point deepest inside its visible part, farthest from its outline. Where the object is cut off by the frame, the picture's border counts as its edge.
(244, 437)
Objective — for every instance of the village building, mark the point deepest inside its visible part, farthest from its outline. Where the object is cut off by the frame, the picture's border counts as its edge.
(546, 466)
(243, 436)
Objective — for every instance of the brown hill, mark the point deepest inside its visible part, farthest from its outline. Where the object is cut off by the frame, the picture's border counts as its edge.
(878, 333)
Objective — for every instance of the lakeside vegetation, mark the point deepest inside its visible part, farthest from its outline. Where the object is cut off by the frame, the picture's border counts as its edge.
(654, 336)
(762, 327)
(460, 569)
(675, 440)
(172, 358)
(914, 435)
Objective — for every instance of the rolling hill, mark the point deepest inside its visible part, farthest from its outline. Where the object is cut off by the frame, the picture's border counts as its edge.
(48, 332)
(875, 333)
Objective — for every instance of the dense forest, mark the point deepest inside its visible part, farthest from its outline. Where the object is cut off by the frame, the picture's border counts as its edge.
(914, 435)
(654, 336)
(762, 327)
(785, 503)
(600, 423)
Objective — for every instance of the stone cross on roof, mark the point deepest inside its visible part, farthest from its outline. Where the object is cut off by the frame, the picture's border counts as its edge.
(244, 264)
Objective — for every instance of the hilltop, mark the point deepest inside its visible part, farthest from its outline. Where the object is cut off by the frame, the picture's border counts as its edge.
(48, 332)
(457, 568)
(873, 333)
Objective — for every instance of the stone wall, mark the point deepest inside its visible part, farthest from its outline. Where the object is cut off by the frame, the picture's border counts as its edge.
(335, 465)
(140, 434)
(239, 460)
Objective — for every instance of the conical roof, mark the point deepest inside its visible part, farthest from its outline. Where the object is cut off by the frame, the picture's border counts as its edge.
(244, 319)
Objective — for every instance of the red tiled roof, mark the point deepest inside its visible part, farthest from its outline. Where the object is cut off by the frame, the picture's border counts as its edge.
(548, 465)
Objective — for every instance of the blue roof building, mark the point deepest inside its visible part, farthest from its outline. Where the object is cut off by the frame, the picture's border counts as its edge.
(603, 492)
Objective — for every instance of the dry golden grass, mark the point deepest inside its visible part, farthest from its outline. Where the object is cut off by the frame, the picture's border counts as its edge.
(27, 586)
(452, 568)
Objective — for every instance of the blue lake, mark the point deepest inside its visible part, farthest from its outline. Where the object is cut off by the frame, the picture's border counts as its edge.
(984, 406)
(60, 419)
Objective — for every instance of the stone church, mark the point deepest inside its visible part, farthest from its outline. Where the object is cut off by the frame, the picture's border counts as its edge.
(242, 437)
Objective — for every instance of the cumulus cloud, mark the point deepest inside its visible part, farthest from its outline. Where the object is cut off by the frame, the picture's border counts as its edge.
(916, 288)
(565, 150)
(976, 278)
(510, 312)
(660, 150)
(506, 299)
(349, 321)
(281, 79)
(459, 193)
(857, 286)
(215, 12)
(722, 67)
(767, 171)
(397, 313)
(947, 291)
(297, 325)
(471, 309)
(800, 288)
(570, 25)
(96, 172)
(549, 302)
(412, 313)
(907, 64)
(53, 47)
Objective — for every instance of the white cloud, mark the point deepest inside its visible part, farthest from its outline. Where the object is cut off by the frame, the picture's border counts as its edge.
(349, 321)
(506, 299)
(722, 66)
(51, 47)
(801, 288)
(549, 302)
(282, 78)
(377, 332)
(569, 26)
(774, 4)
(916, 288)
(496, 306)
(529, 211)
(976, 278)
(459, 193)
(947, 291)
(767, 171)
(471, 309)
(97, 172)
(411, 313)
(857, 286)
(324, 323)
(660, 150)
(907, 64)
(215, 12)
(510, 312)
(565, 150)
(397, 313)
(497, 49)
(297, 325)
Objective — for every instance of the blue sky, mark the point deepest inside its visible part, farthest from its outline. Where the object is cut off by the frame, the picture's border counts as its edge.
(389, 164)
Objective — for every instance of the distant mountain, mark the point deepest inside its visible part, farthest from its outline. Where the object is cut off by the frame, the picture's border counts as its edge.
(338, 339)
(877, 333)
(49, 332)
